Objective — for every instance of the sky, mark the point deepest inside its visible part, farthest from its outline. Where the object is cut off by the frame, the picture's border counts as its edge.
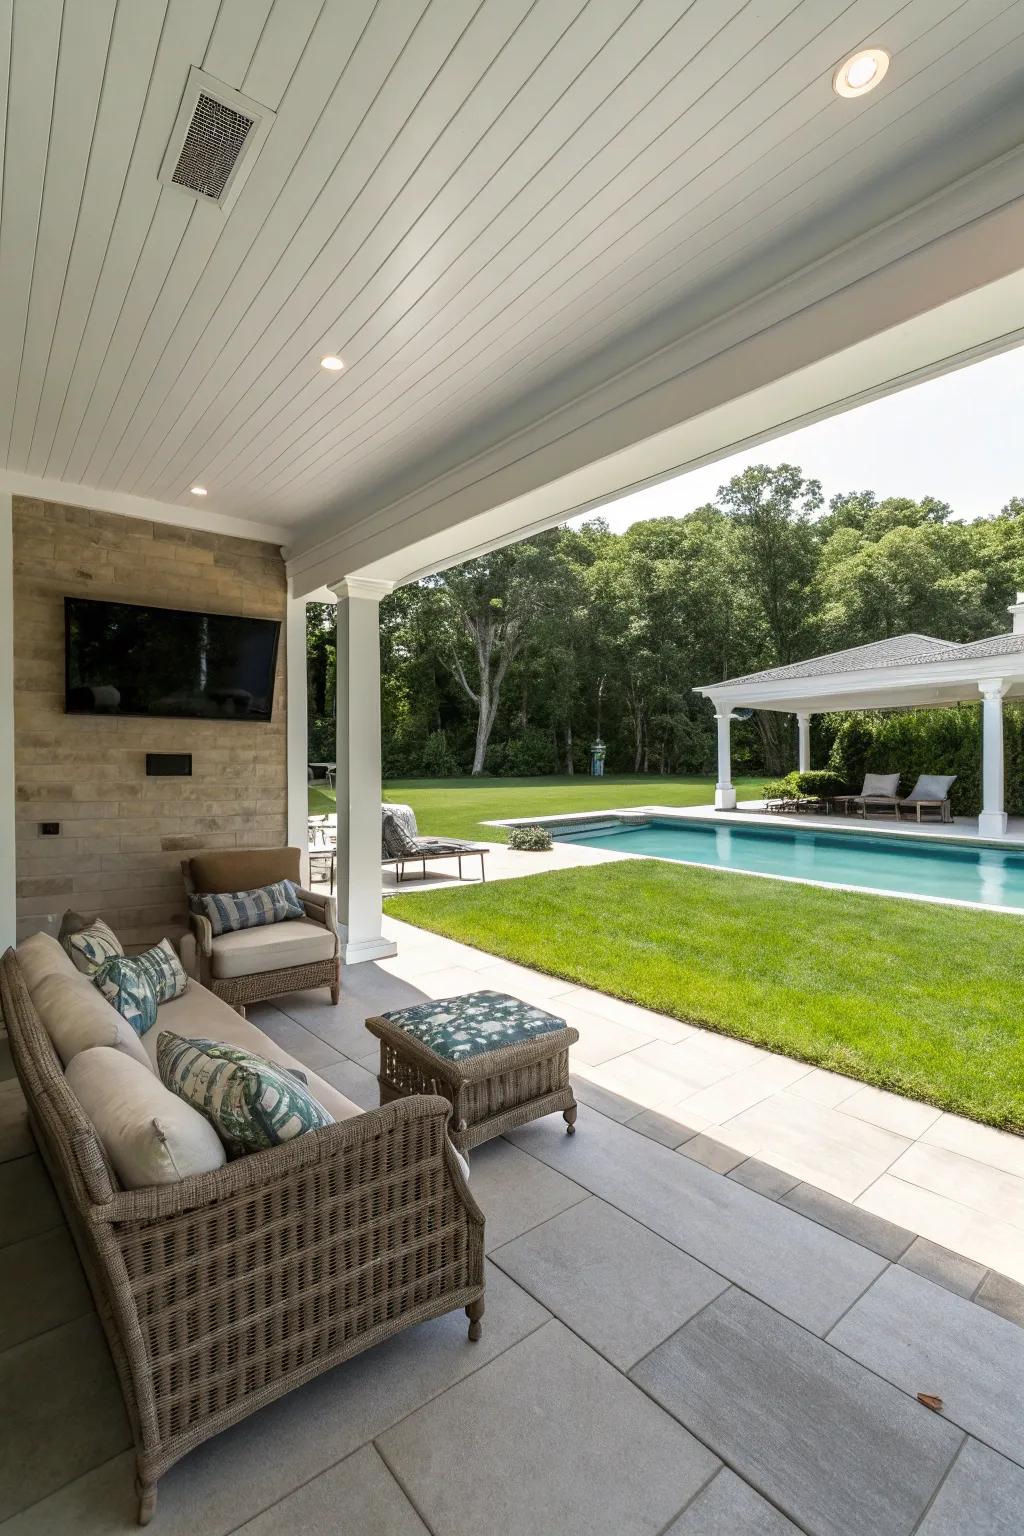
(959, 438)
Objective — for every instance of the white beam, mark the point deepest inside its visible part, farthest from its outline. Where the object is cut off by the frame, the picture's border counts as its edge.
(803, 727)
(8, 909)
(360, 908)
(992, 821)
(725, 795)
(297, 725)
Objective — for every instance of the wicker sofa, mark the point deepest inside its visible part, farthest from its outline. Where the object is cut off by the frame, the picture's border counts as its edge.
(223, 1291)
(259, 963)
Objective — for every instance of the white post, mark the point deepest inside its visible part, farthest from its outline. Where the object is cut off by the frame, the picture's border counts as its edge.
(358, 775)
(992, 821)
(803, 726)
(725, 795)
(297, 727)
(8, 907)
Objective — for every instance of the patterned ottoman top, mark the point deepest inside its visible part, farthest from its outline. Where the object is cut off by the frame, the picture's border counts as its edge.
(459, 1027)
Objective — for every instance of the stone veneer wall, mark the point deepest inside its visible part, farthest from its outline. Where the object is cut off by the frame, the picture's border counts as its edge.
(123, 835)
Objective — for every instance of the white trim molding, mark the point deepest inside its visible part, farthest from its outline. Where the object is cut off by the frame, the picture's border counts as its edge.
(8, 910)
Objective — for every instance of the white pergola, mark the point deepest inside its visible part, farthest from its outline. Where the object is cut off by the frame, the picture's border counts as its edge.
(905, 672)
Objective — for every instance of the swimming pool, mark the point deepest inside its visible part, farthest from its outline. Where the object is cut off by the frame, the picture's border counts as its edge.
(912, 866)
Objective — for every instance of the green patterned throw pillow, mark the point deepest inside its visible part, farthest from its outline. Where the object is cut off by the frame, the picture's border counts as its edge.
(90, 946)
(128, 988)
(165, 971)
(251, 1103)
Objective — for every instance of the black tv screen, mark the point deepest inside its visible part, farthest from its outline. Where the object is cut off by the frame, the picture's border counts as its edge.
(123, 659)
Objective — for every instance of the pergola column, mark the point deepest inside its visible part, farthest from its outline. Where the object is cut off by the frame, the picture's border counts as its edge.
(992, 821)
(725, 795)
(803, 727)
(360, 908)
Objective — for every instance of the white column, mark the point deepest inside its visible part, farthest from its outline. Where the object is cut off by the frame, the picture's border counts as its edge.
(8, 913)
(803, 726)
(725, 795)
(992, 821)
(358, 775)
(297, 727)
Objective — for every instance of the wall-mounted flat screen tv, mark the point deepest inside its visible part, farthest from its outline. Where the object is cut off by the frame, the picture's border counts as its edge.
(123, 659)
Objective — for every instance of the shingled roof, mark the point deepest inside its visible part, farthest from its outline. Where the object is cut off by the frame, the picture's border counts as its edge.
(899, 651)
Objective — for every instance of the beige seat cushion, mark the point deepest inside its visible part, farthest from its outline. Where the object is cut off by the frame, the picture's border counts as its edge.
(274, 947)
(201, 1016)
(39, 955)
(150, 1135)
(76, 1016)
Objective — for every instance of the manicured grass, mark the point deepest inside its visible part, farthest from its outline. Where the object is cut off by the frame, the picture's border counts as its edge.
(921, 999)
(458, 807)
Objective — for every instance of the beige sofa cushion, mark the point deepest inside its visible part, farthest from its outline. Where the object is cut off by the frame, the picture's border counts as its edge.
(274, 947)
(150, 1135)
(76, 1016)
(201, 1016)
(40, 955)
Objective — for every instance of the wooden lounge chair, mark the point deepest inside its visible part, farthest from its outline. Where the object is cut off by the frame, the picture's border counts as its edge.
(930, 793)
(399, 848)
(879, 793)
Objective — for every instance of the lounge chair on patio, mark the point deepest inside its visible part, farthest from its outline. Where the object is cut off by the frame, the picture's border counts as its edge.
(400, 847)
(930, 793)
(879, 793)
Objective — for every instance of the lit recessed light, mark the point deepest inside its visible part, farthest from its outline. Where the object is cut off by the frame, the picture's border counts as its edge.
(332, 364)
(198, 490)
(861, 72)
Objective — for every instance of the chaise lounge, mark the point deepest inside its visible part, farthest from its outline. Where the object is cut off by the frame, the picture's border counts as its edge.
(930, 793)
(879, 793)
(400, 844)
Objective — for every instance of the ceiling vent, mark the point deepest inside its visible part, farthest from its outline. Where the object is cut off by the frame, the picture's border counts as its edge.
(217, 135)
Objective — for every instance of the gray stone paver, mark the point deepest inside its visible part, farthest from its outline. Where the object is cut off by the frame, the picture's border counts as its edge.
(982, 1496)
(840, 1216)
(825, 1439)
(548, 1438)
(943, 1267)
(924, 1339)
(1003, 1296)
(617, 1285)
(729, 1507)
(712, 1154)
(763, 1178)
(801, 1268)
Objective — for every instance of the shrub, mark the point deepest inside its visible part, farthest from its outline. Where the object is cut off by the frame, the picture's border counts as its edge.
(529, 839)
(781, 789)
(323, 739)
(815, 784)
(439, 761)
(530, 755)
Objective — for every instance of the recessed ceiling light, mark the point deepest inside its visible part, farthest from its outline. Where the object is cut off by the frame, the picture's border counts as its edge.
(198, 490)
(861, 72)
(332, 364)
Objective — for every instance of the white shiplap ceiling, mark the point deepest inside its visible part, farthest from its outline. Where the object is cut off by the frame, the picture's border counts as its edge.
(476, 203)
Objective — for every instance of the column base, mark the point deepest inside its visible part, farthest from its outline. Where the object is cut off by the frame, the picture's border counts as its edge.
(367, 949)
(725, 798)
(992, 824)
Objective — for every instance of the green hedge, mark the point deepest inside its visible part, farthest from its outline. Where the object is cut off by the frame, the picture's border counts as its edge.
(929, 741)
(816, 783)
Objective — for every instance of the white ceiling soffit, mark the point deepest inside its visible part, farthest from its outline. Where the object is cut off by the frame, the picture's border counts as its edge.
(486, 208)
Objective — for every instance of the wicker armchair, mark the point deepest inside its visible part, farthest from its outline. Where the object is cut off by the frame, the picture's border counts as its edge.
(222, 1293)
(255, 965)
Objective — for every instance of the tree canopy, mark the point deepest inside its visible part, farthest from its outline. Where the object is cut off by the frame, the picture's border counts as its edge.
(516, 661)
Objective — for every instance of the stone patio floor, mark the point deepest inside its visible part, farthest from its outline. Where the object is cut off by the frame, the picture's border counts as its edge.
(671, 1347)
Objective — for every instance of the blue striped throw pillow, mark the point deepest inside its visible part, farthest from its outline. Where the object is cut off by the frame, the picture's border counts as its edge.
(231, 911)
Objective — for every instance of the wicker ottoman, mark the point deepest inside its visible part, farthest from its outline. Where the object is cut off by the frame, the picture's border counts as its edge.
(500, 1061)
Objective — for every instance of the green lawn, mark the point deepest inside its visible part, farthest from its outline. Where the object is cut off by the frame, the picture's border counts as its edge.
(921, 999)
(457, 807)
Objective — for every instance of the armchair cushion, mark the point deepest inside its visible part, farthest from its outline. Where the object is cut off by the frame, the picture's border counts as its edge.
(277, 947)
(243, 869)
(230, 911)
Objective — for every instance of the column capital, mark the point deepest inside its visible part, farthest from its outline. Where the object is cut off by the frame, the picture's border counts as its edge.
(993, 688)
(361, 586)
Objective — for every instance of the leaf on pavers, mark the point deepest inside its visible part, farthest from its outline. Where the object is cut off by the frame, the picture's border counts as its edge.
(930, 1401)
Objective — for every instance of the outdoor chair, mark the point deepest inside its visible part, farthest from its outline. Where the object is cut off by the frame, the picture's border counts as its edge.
(930, 793)
(400, 847)
(879, 793)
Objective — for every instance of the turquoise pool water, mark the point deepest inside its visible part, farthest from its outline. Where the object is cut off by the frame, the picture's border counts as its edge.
(917, 867)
